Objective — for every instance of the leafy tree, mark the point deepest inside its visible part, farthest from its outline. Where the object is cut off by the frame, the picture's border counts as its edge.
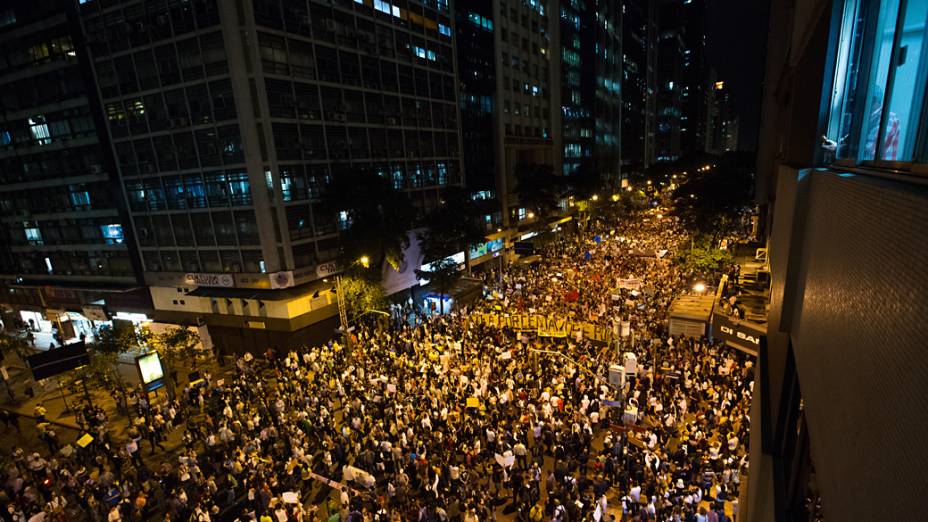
(452, 227)
(704, 259)
(110, 342)
(443, 276)
(538, 187)
(174, 345)
(378, 219)
(711, 202)
(361, 296)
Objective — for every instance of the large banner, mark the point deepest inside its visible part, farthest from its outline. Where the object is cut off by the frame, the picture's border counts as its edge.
(546, 326)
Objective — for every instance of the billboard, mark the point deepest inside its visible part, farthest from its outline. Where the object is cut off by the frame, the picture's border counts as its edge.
(57, 361)
(150, 368)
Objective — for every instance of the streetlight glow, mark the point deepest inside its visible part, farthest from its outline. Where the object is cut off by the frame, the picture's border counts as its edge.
(365, 261)
(595, 197)
(699, 287)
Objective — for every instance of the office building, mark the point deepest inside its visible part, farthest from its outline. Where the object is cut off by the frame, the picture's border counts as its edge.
(639, 83)
(671, 52)
(721, 121)
(591, 86)
(65, 243)
(696, 88)
(227, 121)
(838, 420)
(510, 98)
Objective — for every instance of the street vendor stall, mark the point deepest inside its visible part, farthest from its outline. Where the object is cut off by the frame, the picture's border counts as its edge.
(690, 315)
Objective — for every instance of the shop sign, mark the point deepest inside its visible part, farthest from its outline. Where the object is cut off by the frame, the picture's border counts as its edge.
(327, 269)
(739, 334)
(222, 280)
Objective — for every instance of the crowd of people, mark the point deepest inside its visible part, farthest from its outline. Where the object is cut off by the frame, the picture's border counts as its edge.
(443, 419)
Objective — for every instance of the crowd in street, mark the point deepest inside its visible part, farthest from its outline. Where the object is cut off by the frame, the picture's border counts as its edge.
(445, 419)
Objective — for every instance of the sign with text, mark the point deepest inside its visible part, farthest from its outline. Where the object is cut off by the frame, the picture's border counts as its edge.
(326, 269)
(221, 280)
(546, 326)
(738, 334)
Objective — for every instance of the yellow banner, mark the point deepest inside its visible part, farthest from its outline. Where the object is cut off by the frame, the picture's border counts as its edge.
(545, 326)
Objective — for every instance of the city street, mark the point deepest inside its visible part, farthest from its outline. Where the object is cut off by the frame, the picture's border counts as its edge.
(457, 417)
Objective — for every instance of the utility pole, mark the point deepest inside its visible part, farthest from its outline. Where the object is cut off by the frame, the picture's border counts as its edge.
(342, 311)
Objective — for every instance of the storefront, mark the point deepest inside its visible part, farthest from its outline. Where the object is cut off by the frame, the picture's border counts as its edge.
(736, 333)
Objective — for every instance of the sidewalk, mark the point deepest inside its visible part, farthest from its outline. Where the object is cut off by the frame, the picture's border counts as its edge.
(62, 401)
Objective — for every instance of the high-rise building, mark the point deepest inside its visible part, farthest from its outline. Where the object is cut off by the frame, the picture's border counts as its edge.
(696, 87)
(476, 34)
(591, 86)
(509, 74)
(227, 120)
(721, 121)
(639, 83)
(838, 410)
(65, 243)
(671, 59)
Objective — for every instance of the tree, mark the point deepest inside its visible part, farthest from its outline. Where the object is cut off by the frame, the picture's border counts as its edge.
(704, 259)
(110, 342)
(443, 276)
(710, 202)
(176, 344)
(361, 296)
(376, 221)
(538, 187)
(451, 227)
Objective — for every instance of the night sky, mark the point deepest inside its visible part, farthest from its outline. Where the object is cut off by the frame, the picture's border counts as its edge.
(737, 45)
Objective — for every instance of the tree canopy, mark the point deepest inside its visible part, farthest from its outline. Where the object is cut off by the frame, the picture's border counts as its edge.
(378, 218)
(451, 227)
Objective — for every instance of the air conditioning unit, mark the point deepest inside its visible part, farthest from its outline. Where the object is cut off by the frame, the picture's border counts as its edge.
(330, 25)
(96, 169)
(391, 120)
(339, 116)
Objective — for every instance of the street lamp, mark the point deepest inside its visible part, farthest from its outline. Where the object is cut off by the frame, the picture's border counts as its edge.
(531, 215)
(595, 197)
(699, 287)
(365, 261)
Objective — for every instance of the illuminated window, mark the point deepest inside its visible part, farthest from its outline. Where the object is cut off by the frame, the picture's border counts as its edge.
(879, 80)
(33, 235)
(444, 29)
(39, 130)
(112, 233)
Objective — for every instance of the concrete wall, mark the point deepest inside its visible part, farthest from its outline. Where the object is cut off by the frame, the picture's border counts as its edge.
(857, 297)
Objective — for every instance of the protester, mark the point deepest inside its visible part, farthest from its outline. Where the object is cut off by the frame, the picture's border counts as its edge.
(442, 417)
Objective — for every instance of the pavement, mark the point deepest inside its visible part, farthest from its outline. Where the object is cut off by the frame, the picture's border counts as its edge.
(63, 395)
